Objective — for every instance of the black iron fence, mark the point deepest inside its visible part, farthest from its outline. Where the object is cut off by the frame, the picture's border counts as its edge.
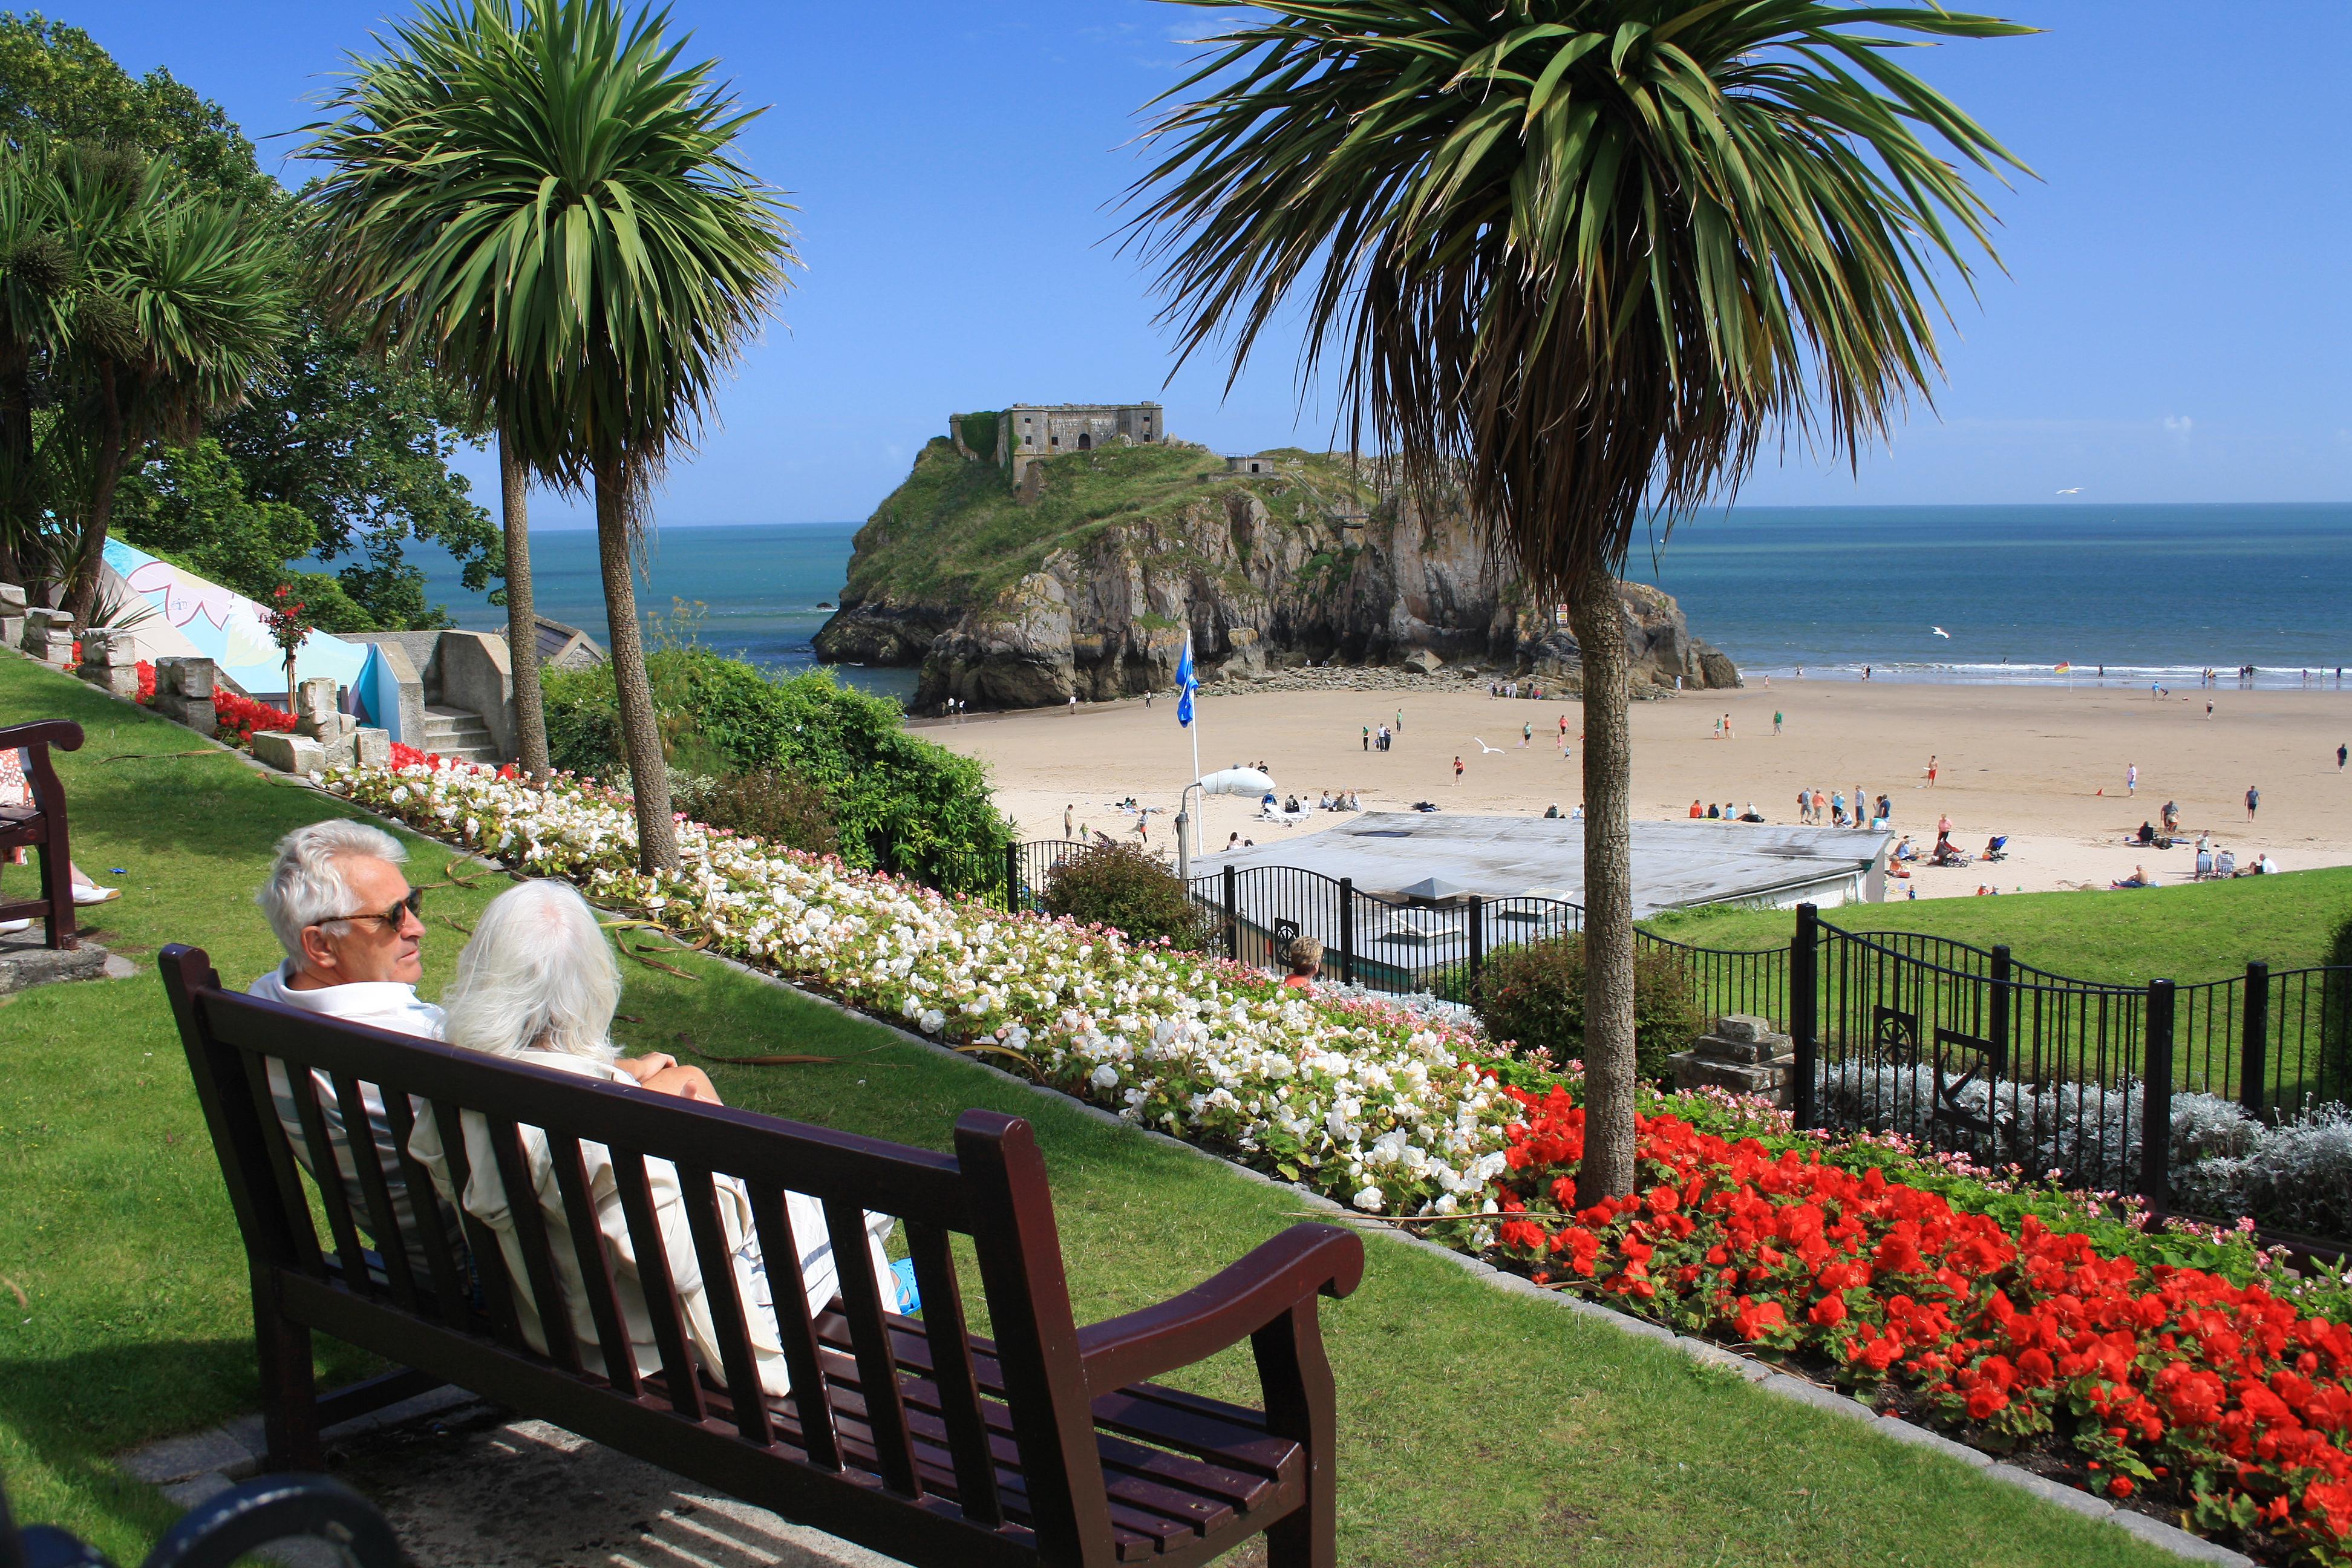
(1961, 1047)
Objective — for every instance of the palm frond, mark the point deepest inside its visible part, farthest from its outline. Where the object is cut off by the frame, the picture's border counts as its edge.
(1589, 254)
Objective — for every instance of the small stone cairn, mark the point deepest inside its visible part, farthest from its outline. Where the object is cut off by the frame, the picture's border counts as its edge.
(184, 693)
(109, 661)
(324, 736)
(1742, 1054)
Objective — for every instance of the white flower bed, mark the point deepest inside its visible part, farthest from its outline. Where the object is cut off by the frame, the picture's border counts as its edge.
(1391, 1112)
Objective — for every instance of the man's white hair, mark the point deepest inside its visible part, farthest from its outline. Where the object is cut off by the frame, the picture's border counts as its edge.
(307, 886)
(537, 976)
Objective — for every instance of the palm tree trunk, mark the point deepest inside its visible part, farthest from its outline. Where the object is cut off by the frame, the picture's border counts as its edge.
(522, 628)
(81, 594)
(640, 736)
(1599, 619)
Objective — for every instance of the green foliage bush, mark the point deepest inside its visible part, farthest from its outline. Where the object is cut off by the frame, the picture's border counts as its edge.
(2335, 1014)
(896, 803)
(1122, 885)
(1534, 995)
(779, 808)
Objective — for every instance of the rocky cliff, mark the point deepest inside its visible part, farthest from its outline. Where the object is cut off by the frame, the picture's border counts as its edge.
(1085, 580)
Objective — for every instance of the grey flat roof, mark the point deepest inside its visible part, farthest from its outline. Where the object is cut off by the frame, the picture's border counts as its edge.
(1675, 864)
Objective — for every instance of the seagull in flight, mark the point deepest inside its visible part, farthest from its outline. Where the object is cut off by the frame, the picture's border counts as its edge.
(1940, 632)
(2075, 491)
(1483, 747)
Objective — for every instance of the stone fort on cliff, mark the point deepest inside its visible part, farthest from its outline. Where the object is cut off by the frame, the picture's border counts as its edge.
(1019, 436)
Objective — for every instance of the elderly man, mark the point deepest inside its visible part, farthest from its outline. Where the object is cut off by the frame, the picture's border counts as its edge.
(348, 921)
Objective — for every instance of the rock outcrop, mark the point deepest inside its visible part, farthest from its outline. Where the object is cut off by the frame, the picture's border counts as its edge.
(1267, 572)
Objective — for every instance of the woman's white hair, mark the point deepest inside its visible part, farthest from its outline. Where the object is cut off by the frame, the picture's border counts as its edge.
(307, 886)
(537, 976)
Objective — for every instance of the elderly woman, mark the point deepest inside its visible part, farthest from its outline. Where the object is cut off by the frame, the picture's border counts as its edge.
(537, 984)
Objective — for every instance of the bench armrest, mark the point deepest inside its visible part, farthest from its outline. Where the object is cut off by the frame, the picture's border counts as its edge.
(1224, 1309)
(62, 733)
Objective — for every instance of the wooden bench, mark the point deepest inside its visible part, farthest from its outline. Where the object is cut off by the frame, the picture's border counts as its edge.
(41, 827)
(1042, 1444)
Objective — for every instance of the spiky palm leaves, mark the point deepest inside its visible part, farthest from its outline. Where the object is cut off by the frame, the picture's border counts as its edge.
(542, 199)
(134, 307)
(1588, 254)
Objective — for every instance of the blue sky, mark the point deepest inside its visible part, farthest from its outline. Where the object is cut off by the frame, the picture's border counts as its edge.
(2176, 323)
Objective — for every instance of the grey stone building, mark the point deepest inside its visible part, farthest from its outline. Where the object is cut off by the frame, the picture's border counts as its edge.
(1048, 430)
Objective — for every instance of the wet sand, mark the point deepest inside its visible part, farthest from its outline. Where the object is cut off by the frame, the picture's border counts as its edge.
(2045, 766)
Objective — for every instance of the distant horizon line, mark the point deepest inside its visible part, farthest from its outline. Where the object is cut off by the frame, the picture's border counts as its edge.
(2053, 505)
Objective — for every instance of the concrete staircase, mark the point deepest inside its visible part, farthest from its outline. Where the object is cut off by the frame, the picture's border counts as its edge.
(459, 734)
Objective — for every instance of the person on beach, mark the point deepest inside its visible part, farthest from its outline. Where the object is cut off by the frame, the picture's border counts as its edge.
(1837, 807)
(1718, 729)
(1399, 723)
(1885, 810)
(2341, 751)
(1727, 726)
(1066, 810)
(1776, 720)
(2253, 799)
(1527, 735)
(1820, 808)
(1457, 767)
(1931, 772)
(1696, 812)
(2209, 708)
(1368, 737)
(1861, 808)
(2131, 779)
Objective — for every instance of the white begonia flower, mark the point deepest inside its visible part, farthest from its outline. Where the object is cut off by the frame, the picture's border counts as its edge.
(1371, 1199)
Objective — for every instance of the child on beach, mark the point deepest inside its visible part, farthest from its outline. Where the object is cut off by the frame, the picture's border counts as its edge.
(1931, 772)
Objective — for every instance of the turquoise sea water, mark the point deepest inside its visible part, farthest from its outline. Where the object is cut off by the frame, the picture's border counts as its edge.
(2151, 592)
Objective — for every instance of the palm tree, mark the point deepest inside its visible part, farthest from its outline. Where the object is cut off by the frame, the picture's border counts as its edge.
(178, 301)
(1585, 254)
(543, 199)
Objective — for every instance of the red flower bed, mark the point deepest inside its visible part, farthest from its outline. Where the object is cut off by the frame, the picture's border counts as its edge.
(241, 716)
(407, 756)
(146, 681)
(2158, 1375)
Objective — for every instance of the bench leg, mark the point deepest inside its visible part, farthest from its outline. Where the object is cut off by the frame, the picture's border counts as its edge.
(1301, 1405)
(57, 885)
(289, 1390)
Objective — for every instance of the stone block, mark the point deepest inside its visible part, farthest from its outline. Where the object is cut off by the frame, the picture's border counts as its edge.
(12, 599)
(187, 677)
(339, 751)
(1423, 659)
(314, 704)
(12, 630)
(56, 650)
(371, 748)
(122, 680)
(1695, 1069)
(25, 962)
(196, 712)
(289, 753)
(1743, 1026)
(1744, 1051)
(183, 1459)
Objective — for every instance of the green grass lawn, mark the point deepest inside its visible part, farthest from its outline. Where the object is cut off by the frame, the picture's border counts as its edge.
(1479, 1427)
(2196, 931)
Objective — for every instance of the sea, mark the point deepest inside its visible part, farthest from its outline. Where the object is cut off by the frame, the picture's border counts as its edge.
(2130, 595)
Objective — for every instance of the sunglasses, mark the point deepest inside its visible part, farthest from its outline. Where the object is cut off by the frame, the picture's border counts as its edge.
(412, 905)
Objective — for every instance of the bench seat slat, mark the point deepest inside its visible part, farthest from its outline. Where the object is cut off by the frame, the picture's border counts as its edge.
(330, 1178)
(424, 1204)
(383, 1223)
(489, 1261)
(530, 1238)
(718, 1263)
(788, 1288)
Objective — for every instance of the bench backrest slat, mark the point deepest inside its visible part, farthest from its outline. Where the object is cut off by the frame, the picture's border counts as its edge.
(454, 1304)
(330, 1184)
(845, 1411)
(530, 1239)
(869, 1338)
(658, 1285)
(699, 1195)
(377, 1196)
(951, 1372)
(490, 1262)
(588, 1246)
(795, 1325)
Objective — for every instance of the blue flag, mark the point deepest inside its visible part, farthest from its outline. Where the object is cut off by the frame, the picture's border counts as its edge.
(1187, 683)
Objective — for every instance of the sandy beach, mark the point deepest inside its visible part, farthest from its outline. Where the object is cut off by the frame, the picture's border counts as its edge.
(2045, 766)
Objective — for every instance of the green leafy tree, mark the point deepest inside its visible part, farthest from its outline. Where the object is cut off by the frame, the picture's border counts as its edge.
(544, 200)
(179, 301)
(360, 444)
(1584, 256)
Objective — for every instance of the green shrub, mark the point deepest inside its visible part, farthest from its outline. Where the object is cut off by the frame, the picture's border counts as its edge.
(781, 808)
(2335, 1015)
(1534, 995)
(1122, 885)
(897, 803)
